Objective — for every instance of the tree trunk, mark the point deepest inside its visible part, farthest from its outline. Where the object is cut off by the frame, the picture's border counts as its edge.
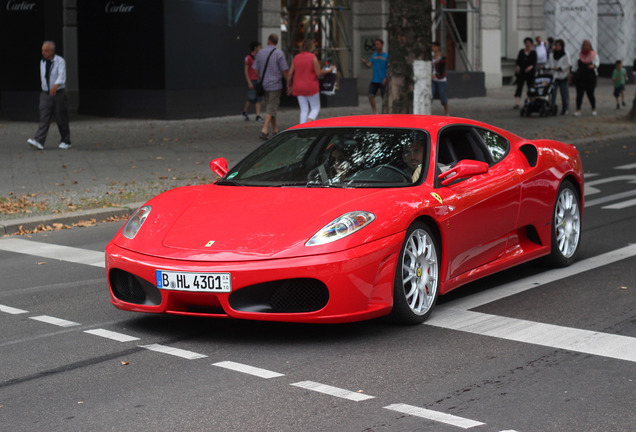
(409, 29)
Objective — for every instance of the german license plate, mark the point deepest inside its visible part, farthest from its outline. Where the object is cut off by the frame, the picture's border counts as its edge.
(200, 282)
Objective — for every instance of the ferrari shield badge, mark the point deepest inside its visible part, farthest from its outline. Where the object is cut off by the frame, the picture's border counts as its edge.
(210, 243)
(437, 197)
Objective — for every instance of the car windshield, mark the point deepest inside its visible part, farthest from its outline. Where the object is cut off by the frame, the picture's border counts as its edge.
(335, 157)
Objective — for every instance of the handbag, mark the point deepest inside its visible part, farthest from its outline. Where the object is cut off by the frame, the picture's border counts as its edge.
(328, 83)
(258, 87)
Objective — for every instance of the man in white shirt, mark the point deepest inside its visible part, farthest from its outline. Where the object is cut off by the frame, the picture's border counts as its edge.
(542, 52)
(53, 99)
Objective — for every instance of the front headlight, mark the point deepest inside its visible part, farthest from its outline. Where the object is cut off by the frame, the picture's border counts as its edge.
(135, 222)
(343, 226)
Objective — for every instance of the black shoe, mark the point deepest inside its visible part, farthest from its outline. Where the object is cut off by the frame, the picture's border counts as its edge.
(247, 118)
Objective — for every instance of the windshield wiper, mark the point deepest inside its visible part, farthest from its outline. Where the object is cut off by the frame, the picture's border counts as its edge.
(226, 182)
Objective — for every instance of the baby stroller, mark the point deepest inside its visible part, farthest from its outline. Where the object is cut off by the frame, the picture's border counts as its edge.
(539, 98)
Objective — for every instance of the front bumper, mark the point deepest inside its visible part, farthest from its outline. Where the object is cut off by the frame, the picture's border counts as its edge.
(345, 286)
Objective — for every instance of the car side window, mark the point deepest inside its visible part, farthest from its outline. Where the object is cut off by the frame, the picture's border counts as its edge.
(498, 146)
(460, 143)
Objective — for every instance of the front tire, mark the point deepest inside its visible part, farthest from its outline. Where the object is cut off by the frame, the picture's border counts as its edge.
(416, 285)
(566, 226)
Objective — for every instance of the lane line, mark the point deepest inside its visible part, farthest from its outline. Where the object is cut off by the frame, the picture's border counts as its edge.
(548, 335)
(251, 370)
(609, 198)
(119, 337)
(12, 310)
(55, 321)
(189, 355)
(51, 251)
(590, 188)
(626, 167)
(497, 293)
(621, 205)
(332, 391)
(436, 416)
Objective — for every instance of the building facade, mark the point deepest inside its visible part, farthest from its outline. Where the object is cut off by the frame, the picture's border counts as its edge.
(183, 58)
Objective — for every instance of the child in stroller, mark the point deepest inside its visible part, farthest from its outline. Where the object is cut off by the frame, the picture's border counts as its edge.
(539, 98)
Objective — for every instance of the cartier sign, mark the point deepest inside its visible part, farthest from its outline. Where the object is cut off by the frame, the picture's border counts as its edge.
(118, 7)
(20, 5)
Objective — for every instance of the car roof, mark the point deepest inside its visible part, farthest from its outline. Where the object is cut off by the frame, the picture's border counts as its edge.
(430, 123)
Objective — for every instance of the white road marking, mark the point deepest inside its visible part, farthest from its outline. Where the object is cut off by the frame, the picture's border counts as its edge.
(609, 198)
(11, 310)
(251, 370)
(589, 188)
(497, 293)
(553, 336)
(626, 167)
(333, 391)
(437, 416)
(456, 315)
(55, 321)
(119, 337)
(51, 251)
(174, 351)
(621, 205)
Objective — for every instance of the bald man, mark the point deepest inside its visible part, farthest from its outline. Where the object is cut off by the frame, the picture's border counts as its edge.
(53, 99)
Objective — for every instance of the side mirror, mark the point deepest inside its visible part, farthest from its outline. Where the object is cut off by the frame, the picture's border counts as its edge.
(464, 169)
(219, 166)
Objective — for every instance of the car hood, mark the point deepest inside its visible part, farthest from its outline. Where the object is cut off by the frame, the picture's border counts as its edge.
(231, 223)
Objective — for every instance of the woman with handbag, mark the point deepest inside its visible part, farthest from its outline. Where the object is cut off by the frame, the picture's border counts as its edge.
(303, 81)
(585, 71)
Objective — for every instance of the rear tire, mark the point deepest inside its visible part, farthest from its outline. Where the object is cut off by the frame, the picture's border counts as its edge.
(416, 285)
(566, 226)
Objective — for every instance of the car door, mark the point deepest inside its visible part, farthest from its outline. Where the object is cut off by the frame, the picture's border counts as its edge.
(482, 210)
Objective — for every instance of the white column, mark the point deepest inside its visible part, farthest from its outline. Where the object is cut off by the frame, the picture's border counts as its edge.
(422, 89)
(270, 20)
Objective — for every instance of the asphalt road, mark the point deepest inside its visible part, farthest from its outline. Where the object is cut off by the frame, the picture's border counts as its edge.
(530, 349)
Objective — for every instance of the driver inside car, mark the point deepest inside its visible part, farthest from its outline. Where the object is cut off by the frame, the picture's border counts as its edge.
(413, 155)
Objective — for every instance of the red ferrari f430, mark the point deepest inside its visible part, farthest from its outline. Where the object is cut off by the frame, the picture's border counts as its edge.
(351, 218)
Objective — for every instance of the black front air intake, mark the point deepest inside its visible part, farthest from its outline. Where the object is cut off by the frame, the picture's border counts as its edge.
(284, 296)
(132, 289)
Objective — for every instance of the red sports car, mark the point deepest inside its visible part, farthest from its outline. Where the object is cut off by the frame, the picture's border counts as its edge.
(351, 218)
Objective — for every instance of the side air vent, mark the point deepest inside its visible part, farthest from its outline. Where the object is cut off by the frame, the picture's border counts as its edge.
(531, 154)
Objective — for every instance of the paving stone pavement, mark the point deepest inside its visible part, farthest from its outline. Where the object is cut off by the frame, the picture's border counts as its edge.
(116, 164)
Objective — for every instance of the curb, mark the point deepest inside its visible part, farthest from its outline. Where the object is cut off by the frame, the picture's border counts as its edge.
(12, 226)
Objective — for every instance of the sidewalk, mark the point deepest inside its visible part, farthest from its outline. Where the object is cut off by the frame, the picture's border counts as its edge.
(117, 164)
